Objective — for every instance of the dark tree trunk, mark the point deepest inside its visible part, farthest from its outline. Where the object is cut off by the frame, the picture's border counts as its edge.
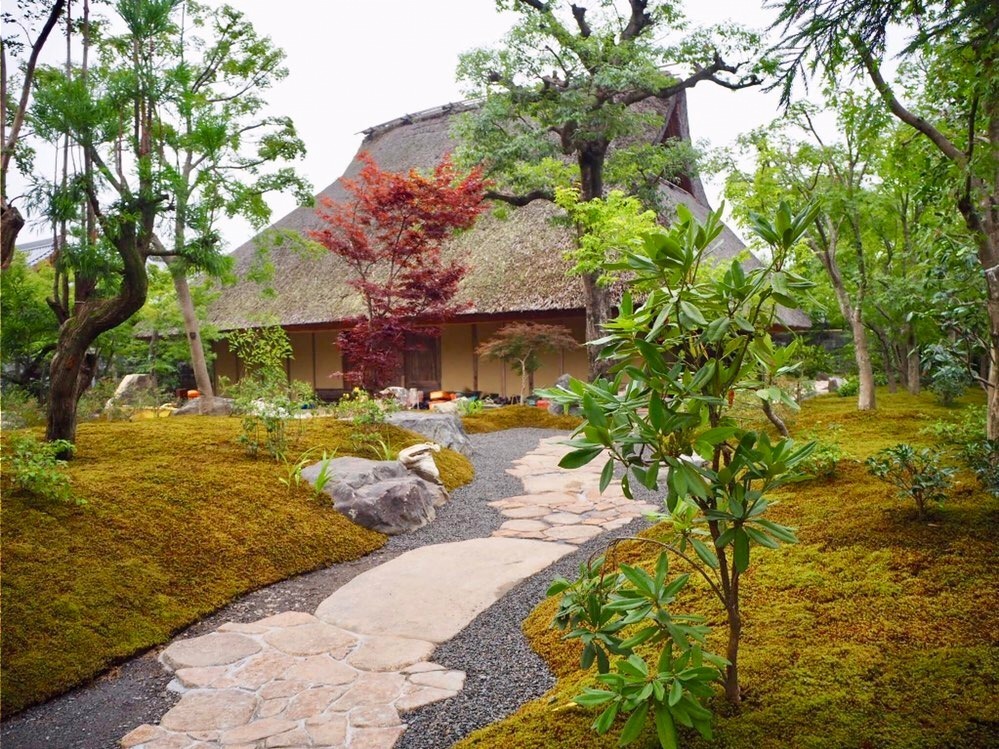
(11, 222)
(597, 297)
(70, 364)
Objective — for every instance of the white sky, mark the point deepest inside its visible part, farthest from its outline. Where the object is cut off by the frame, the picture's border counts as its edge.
(357, 64)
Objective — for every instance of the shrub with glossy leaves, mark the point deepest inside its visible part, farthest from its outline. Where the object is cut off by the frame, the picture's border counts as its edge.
(917, 473)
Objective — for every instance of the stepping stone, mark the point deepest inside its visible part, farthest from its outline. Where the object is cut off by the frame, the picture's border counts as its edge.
(563, 518)
(448, 680)
(523, 526)
(433, 592)
(419, 696)
(330, 731)
(375, 738)
(215, 649)
(258, 729)
(389, 653)
(573, 533)
(526, 512)
(321, 670)
(207, 711)
(312, 639)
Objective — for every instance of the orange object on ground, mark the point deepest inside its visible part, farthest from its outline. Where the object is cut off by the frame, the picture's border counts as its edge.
(193, 394)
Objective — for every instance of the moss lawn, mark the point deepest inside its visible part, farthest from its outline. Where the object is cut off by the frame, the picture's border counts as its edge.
(874, 631)
(178, 521)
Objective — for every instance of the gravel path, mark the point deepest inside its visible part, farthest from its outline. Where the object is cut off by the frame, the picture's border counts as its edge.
(97, 715)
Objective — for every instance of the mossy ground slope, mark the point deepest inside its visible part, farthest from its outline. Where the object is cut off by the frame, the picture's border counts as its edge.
(513, 417)
(875, 630)
(178, 521)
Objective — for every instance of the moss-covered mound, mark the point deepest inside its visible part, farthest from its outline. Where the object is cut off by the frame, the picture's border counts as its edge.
(875, 630)
(177, 522)
(513, 417)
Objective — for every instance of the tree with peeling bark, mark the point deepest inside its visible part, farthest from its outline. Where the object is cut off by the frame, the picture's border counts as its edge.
(12, 114)
(563, 99)
(522, 344)
(222, 156)
(955, 45)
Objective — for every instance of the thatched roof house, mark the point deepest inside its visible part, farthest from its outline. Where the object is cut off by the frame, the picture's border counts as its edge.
(516, 270)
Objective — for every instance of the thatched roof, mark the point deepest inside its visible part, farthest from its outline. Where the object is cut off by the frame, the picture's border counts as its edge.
(515, 264)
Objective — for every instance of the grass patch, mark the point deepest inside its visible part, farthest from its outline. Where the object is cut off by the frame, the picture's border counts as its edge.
(178, 522)
(514, 417)
(875, 630)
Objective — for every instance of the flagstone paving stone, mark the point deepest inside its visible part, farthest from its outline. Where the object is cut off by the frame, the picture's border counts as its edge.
(346, 676)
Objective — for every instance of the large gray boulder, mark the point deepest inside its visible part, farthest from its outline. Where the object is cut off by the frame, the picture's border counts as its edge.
(355, 472)
(133, 390)
(444, 429)
(392, 506)
(219, 407)
(379, 494)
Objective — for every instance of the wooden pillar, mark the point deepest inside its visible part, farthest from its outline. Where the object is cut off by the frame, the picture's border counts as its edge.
(475, 357)
(315, 374)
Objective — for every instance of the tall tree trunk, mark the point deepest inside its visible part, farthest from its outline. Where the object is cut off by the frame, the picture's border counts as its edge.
(865, 372)
(597, 297)
(192, 327)
(88, 321)
(852, 314)
(912, 362)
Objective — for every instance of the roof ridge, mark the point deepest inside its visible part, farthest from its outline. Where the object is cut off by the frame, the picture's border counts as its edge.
(422, 115)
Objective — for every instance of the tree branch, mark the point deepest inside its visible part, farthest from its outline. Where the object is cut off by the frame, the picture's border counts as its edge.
(939, 139)
(639, 21)
(579, 14)
(29, 75)
(519, 200)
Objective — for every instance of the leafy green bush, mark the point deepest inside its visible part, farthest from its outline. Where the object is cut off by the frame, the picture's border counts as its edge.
(966, 435)
(949, 377)
(20, 408)
(850, 387)
(822, 463)
(33, 467)
(469, 406)
(982, 457)
(264, 397)
(361, 408)
(597, 608)
(916, 473)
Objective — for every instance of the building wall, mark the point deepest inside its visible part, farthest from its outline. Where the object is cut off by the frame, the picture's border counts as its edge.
(316, 356)
(458, 360)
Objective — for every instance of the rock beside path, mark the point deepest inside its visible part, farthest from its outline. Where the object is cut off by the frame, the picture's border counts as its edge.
(382, 495)
(444, 429)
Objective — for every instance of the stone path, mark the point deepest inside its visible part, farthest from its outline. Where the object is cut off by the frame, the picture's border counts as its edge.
(345, 677)
(563, 505)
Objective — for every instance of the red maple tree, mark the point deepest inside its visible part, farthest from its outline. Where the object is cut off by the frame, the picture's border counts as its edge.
(389, 235)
